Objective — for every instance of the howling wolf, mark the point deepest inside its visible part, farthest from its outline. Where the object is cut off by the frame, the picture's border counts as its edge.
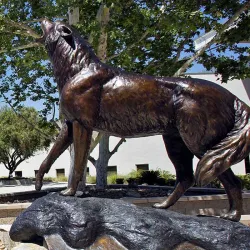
(194, 116)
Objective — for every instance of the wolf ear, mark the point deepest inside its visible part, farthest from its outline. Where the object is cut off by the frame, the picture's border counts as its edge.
(66, 33)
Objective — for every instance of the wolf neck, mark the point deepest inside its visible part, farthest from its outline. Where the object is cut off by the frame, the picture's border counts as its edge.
(68, 62)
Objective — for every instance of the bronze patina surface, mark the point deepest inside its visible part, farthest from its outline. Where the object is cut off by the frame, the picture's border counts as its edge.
(194, 116)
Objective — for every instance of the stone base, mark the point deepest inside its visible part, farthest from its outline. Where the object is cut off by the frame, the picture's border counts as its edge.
(68, 223)
(28, 246)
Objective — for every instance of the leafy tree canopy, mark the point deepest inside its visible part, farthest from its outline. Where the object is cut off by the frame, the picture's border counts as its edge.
(144, 36)
(19, 139)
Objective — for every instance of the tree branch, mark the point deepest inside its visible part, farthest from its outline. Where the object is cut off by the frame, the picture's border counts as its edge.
(17, 32)
(117, 146)
(26, 46)
(95, 142)
(54, 113)
(103, 19)
(41, 19)
(15, 155)
(130, 46)
(148, 66)
(180, 48)
(216, 38)
(6, 165)
(19, 162)
(143, 35)
(92, 160)
(23, 26)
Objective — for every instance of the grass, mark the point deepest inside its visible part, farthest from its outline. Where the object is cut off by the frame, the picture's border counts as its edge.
(56, 179)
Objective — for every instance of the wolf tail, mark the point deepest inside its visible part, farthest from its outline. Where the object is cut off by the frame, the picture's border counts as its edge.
(231, 150)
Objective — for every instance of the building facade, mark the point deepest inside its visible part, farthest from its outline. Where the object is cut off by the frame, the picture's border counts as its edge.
(139, 153)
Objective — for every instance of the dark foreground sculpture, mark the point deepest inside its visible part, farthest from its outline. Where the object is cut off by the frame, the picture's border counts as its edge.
(90, 223)
(195, 117)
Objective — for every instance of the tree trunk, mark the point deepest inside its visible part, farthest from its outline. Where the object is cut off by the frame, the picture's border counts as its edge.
(102, 162)
(72, 156)
(11, 171)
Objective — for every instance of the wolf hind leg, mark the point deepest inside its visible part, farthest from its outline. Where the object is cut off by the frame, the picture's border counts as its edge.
(182, 159)
(232, 149)
(232, 185)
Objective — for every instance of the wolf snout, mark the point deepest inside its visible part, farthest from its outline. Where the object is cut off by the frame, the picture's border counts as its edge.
(46, 25)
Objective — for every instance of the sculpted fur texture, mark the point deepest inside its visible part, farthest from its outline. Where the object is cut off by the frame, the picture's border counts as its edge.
(194, 116)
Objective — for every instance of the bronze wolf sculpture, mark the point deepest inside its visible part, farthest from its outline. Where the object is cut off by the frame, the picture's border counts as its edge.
(194, 116)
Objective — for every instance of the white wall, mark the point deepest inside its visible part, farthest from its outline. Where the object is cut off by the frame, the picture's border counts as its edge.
(29, 166)
(147, 150)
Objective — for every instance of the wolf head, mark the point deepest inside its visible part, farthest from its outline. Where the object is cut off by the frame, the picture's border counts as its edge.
(56, 35)
(69, 52)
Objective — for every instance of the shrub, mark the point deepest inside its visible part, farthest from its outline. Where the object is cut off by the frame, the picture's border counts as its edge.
(215, 183)
(245, 180)
(134, 174)
(91, 179)
(111, 179)
(119, 180)
(168, 177)
(150, 177)
(61, 179)
(49, 179)
(57, 179)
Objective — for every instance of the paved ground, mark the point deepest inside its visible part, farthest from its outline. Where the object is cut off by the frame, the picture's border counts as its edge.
(11, 189)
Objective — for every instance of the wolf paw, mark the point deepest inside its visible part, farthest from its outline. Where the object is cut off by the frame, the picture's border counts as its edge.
(161, 205)
(233, 215)
(39, 183)
(68, 192)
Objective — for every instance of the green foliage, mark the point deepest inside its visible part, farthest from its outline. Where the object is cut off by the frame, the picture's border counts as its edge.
(56, 179)
(61, 179)
(215, 184)
(48, 179)
(20, 139)
(157, 177)
(91, 179)
(120, 180)
(150, 37)
(245, 179)
(152, 177)
(168, 178)
(134, 174)
(112, 178)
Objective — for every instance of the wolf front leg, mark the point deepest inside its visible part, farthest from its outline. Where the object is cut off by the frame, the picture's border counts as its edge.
(82, 141)
(62, 142)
